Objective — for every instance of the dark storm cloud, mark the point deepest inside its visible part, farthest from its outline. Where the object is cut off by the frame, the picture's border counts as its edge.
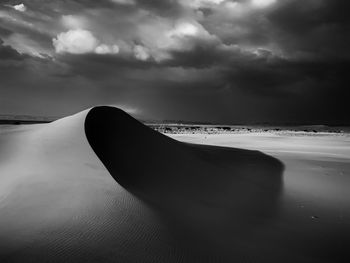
(319, 28)
(199, 57)
(98, 67)
(287, 78)
(161, 7)
(166, 7)
(281, 60)
(8, 53)
(5, 32)
(301, 17)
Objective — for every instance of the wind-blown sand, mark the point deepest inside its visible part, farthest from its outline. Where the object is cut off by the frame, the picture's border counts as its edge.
(99, 186)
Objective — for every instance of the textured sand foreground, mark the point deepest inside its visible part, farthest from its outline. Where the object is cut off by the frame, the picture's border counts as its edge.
(99, 186)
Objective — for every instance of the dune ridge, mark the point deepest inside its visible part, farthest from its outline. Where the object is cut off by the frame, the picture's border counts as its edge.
(99, 186)
(151, 164)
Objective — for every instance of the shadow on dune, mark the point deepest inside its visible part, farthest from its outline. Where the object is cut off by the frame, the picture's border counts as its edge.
(205, 192)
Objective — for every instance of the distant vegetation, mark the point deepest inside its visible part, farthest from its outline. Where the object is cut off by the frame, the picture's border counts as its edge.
(214, 129)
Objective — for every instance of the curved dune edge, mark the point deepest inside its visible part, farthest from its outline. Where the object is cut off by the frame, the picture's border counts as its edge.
(99, 186)
(147, 162)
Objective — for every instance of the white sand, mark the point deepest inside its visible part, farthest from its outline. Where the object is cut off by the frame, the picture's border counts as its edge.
(58, 202)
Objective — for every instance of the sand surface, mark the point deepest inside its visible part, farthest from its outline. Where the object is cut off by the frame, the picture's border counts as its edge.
(99, 186)
(313, 214)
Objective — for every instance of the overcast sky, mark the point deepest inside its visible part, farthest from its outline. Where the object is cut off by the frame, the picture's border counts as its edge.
(226, 61)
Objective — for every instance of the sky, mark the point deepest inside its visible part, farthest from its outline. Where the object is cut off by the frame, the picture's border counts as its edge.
(221, 61)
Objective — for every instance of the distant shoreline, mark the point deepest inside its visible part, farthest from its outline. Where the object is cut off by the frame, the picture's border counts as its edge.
(20, 122)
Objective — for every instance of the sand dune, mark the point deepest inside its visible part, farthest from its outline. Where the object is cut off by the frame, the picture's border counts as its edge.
(99, 186)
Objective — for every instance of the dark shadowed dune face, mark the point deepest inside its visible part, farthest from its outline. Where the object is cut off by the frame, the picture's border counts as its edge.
(140, 158)
(209, 196)
(129, 150)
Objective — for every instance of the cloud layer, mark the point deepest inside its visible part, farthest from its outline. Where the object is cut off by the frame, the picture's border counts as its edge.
(211, 60)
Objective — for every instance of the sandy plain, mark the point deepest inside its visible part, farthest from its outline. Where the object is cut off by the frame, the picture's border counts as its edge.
(100, 186)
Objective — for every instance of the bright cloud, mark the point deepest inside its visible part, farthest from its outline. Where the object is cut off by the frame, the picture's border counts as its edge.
(79, 41)
(263, 3)
(141, 52)
(124, 2)
(184, 29)
(201, 3)
(184, 34)
(105, 49)
(20, 7)
(159, 41)
(76, 41)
